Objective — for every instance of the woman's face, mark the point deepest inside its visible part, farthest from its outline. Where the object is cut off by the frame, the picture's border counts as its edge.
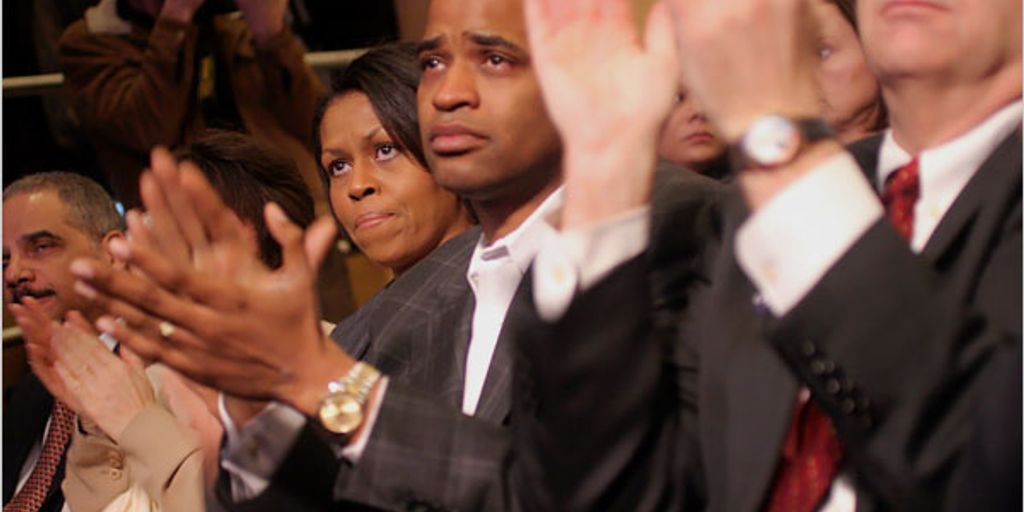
(688, 138)
(388, 203)
(850, 94)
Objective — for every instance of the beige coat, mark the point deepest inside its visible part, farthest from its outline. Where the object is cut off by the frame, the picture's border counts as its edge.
(161, 451)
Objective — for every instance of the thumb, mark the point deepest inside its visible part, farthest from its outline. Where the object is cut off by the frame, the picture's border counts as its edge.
(285, 233)
(319, 239)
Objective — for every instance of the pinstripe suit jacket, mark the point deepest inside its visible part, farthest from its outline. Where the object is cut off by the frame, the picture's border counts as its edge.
(416, 331)
(424, 454)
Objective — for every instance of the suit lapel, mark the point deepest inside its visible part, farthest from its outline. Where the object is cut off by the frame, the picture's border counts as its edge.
(761, 393)
(1000, 171)
(496, 396)
(31, 404)
(746, 381)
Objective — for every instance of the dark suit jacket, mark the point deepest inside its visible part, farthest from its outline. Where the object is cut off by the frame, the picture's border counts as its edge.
(24, 421)
(890, 344)
(424, 454)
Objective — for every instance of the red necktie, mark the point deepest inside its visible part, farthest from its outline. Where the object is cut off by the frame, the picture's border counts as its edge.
(902, 189)
(811, 451)
(36, 488)
(810, 458)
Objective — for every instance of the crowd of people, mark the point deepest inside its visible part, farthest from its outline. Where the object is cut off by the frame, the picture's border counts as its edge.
(759, 255)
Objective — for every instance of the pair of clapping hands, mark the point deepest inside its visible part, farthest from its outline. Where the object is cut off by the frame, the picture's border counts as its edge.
(199, 299)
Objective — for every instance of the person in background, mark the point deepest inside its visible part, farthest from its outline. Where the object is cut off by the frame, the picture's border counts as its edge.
(371, 158)
(49, 219)
(141, 73)
(851, 99)
(688, 139)
(125, 404)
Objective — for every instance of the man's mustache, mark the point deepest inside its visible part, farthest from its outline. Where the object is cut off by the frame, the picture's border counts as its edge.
(18, 294)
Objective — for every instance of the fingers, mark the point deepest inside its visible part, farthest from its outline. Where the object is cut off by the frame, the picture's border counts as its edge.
(114, 289)
(319, 239)
(78, 320)
(166, 170)
(288, 235)
(132, 359)
(159, 220)
(659, 36)
(221, 224)
(36, 328)
(245, 376)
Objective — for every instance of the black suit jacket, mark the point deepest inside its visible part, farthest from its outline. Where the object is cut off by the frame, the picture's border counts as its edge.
(890, 344)
(24, 422)
(424, 454)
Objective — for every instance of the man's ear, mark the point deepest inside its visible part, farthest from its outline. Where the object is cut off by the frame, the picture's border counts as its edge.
(105, 243)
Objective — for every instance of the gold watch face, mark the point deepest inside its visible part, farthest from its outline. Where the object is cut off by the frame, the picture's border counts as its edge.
(341, 413)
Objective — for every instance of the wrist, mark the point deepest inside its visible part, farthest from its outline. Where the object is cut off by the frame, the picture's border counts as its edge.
(310, 386)
(733, 126)
(762, 185)
(595, 190)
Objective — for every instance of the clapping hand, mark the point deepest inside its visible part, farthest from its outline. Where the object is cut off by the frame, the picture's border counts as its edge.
(78, 369)
(206, 305)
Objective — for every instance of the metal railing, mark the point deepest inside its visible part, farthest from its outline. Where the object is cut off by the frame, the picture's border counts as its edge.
(16, 86)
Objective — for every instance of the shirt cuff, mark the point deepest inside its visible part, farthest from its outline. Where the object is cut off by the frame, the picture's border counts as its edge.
(786, 247)
(575, 260)
(252, 454)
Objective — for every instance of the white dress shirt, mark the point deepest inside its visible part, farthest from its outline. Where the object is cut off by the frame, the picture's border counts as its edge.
(784, 248)
(494, 274)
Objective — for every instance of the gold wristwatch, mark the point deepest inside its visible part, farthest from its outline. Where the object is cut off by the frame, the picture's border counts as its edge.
(342, 410)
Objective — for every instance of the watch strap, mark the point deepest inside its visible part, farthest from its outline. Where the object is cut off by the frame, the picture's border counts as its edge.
(808, 129)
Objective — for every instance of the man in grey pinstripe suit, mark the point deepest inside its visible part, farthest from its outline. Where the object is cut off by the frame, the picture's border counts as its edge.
(436, 332)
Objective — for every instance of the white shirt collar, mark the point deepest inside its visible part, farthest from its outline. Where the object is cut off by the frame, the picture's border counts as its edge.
(964, 154)
(522, 244)
(945, 170)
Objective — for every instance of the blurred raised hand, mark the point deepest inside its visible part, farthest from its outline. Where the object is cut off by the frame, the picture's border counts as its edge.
(608, 93)
(747, 58)
(265, 17)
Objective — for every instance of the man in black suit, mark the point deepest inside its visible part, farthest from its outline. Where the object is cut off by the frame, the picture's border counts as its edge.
(837, 359)
(49, 220)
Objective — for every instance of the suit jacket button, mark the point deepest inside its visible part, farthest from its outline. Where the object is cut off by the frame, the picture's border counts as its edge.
(818, 367)
(848, 406)
(808, 349)
(832, 386)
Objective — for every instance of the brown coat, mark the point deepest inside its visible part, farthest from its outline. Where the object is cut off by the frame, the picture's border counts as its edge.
(135, 90)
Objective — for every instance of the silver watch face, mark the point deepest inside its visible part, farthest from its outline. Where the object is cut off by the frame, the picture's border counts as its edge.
(771, 140)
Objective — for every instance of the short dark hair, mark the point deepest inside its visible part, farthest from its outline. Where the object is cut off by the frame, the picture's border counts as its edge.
(247, 174)
(388, 75)
(89, 207)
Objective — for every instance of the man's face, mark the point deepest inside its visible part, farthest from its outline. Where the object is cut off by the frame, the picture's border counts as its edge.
(954, 40)
(484, 126)
(39, 244)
